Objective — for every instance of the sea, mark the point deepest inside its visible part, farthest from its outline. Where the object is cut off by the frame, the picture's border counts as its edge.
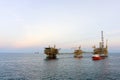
(30, 66)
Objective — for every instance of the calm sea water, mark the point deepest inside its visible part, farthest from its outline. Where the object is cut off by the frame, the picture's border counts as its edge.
(35, 67)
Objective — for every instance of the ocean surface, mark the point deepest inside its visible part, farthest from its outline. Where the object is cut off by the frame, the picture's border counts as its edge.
(35, 67)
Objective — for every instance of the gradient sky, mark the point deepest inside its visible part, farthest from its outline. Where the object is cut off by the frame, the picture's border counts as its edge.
(31, 25)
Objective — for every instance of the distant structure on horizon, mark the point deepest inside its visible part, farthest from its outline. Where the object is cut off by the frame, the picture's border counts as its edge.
(101, 50)
(51, 52)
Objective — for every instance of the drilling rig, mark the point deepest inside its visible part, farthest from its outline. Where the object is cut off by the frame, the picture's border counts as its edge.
(78, 53)
(51, 52)
(101, 50)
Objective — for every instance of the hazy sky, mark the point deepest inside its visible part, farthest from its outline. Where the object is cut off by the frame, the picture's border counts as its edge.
(29, 25)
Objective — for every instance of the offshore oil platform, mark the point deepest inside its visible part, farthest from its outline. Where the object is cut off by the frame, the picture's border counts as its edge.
(98, 53)
(102, 50)
(78, 53)
(51, 52)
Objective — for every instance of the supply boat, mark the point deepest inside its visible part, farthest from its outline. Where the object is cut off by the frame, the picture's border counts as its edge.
(96, 57)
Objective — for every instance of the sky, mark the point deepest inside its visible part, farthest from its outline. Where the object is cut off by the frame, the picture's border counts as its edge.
(32, 25)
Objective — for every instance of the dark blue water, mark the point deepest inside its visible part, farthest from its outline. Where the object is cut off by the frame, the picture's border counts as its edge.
(35, 67)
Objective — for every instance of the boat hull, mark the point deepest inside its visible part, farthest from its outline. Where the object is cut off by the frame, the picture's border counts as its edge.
(97, 58)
